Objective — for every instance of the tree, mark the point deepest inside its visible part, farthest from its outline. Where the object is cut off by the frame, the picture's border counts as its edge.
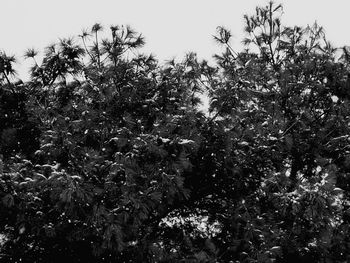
(111, 157)
(283, 102)
(106, 157)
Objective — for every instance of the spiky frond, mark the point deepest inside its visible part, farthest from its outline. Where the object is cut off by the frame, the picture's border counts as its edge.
(136, 42)
(96, 28)
(223, 35)
(129, 32)
(84, 33)
(70, 49)
(246, 41)
(30, 53)
(6, 64)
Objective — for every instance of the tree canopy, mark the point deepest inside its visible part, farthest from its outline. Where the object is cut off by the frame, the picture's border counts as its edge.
(105, 155)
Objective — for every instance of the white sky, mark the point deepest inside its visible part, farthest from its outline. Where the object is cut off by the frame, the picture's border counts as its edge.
(171, 28)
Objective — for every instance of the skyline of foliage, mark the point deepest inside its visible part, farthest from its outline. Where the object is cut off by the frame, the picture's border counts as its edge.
(105, 155)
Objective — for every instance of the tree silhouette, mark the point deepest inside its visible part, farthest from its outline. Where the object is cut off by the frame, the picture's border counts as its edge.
(106, 157)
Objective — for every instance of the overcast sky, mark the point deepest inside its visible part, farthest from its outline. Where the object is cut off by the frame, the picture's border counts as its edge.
(171, 28)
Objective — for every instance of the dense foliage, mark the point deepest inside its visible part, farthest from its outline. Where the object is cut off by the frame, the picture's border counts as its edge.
(106, 157)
